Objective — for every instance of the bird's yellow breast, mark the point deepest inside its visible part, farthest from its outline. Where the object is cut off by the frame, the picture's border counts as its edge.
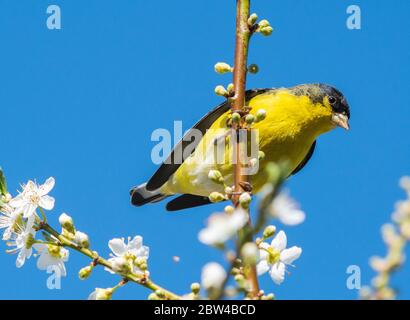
(289, 130)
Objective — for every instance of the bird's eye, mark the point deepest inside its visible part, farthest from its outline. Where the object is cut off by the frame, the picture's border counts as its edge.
(332, 100)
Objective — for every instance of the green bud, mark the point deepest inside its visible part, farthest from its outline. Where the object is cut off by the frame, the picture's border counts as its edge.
(252, 19)
(240, 280)
(261, 155)
(82, 239)
(269, 296)
(141, 263)
(215, 176)
(249, 119)
(66, 223)
(3, 184)
(102, 294)
(230, 88)
(85, 272)
(253, 68)
(216, 197)
(228, 190)
(195, 287)
(222, 67)
(266, 31)
(229, 209)
(260, 115)
(269, 232)
(264, 23)
(236, 117)
(221, 91)
(245, 199)
(160, 294)
(153, 296)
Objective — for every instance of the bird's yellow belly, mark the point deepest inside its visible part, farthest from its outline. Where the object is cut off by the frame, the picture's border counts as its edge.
(192, 176)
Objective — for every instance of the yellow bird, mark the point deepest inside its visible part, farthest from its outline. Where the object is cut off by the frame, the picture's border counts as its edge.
(295, 118)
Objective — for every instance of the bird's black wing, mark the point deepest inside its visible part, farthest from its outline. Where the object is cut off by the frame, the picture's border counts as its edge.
(187, 201)
(168, 168)
(305, 160)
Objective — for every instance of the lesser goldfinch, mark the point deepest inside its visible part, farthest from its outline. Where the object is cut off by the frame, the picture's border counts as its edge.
(295, 117)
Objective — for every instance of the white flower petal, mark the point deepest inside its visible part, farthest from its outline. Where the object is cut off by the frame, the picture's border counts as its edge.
(287, 256)
(18, 201)
(46, 202)
(44, 261)
(29, 210)
(277, 272)
(292, 218)
(280, 241)
(117, 246)
(46, 187)
(213, 275)
(262, 267)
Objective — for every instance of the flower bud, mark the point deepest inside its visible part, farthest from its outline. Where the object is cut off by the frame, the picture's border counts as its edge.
(228, 190)
(405, 229)
(195, 287)
(222, 67)
(66, 222)
(101, 294)
(221, 91)
(250, 118)
(266, 31)
(253, 68)
(230, 88)
(85, 272)
(245, 200)
(269, 232)
(236, 117)
(261, 155)
(121, 265)
(160, 294)
(215, 176)
(153, 296)
(405, 183)
(82, 239)
(252, 19)
(229, 209)
(240, 280)
(216, 197)
(250, 253)
(263, 23)
(269, 296)
(141, 263)
(260, 115)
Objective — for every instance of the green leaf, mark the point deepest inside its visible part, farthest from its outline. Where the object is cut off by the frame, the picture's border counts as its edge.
(3, 184)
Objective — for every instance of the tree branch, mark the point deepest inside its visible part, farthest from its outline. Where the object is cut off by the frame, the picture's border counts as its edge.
(243, 34)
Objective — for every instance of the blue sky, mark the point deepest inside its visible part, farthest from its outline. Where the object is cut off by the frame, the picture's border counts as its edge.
(80, 104)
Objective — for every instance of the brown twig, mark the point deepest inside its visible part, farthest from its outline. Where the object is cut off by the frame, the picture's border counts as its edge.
(243, 34)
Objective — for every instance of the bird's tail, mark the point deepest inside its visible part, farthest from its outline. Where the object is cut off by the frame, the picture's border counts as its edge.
(140, 195)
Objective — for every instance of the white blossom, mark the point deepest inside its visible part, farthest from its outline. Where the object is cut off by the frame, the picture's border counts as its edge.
(22, 241)
(222, 226)
(8, 219)
(286, 210)
(101, 294)
(125, 254)
(34, 196)
(51, 255)
(213, 275)
(275, 257)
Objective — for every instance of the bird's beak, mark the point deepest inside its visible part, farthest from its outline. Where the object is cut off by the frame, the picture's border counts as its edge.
(341, 120)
